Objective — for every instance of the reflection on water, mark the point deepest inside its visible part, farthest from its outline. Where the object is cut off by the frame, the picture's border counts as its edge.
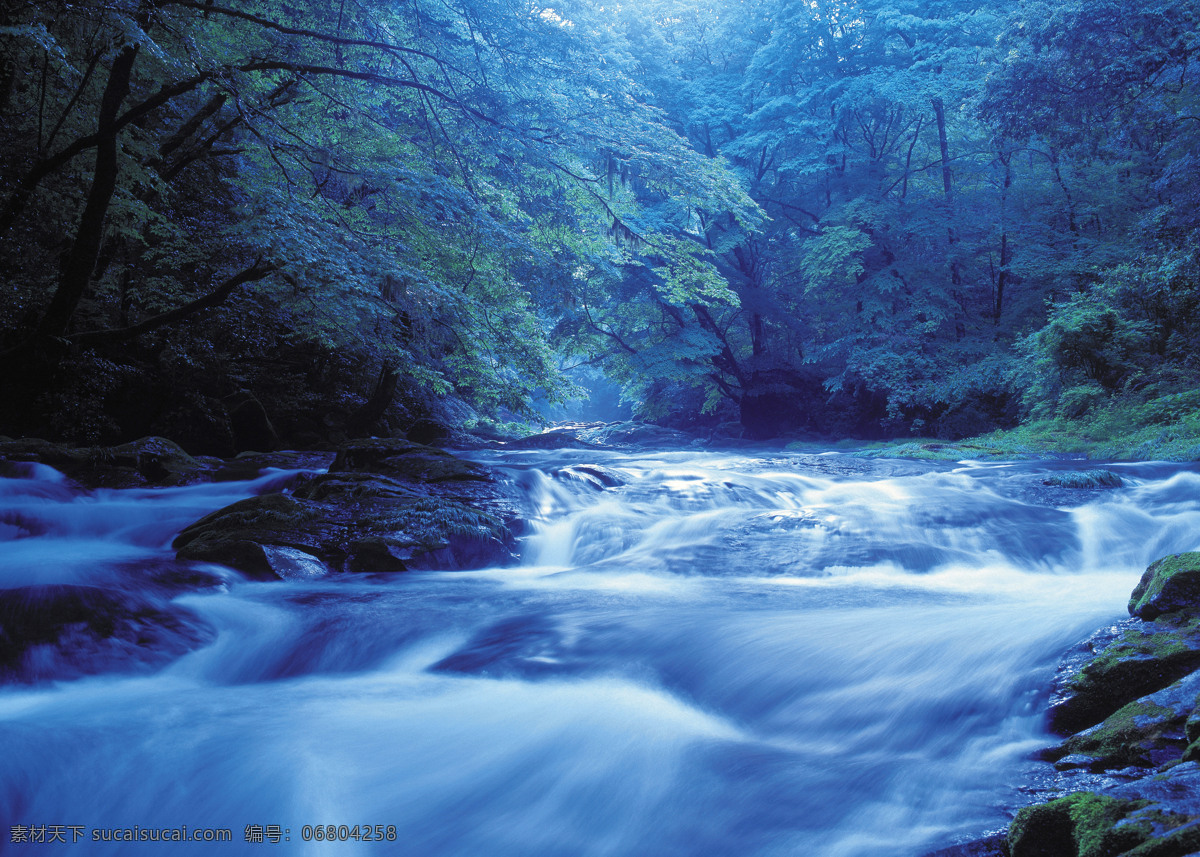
(703, 653)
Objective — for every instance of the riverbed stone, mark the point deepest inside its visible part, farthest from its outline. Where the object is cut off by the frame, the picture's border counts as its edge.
(558, 438)
(148, 461)
(423, 508)
(592, 475)
(1084, 824)
(1142, 658)
(1156, 816)
(407, 461)
(1148, 732)
(1170, 584)
(995, 845)
(64, 631)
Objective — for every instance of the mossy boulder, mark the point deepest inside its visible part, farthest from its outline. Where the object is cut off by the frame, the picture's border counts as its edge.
(406, 461)
(440, 512)
(1143, 658)
(1169, 585)
(561, 438)
(1085, 479)
(263, 537)
(149, 461)
(59, 632)
(1084, 824)
(1148, 732)
(1156, 816)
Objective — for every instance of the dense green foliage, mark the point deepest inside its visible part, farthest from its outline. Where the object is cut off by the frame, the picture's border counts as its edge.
(336, 217)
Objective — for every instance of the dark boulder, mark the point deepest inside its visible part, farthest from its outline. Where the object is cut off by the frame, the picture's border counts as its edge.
(406, 461)
(59, 631)
(384, 506)
(150, 461)
(1143, 658)
(1156, 816)
(1146, 733)
(1169, 585)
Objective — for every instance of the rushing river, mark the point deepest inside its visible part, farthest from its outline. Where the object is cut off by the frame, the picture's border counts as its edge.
(702, 653)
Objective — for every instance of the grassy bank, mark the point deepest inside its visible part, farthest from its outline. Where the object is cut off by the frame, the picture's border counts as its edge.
(1130, 428)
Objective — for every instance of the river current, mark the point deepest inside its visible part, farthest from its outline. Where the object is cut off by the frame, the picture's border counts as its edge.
(701, 653)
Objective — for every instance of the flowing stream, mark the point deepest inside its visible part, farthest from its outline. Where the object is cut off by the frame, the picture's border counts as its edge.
(702, 653)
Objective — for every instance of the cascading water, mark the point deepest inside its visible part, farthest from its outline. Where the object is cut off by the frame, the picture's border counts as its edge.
(702, 653)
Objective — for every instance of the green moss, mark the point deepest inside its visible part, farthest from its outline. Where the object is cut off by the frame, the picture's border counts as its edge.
(1078, 825)
(1149, 425)
(1136, 651)
(1127, 736)
(1171, 835)
(1192, 753)
(927, 449)
(1143, 660)
(1086, 479)
(1179, 572)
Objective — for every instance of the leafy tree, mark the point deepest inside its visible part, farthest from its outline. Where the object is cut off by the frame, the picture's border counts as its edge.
(409, 185)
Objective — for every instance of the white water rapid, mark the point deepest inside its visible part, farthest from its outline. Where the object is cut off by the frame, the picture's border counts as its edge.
(703, 653)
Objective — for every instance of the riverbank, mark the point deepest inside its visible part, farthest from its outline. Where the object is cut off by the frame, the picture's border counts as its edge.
(1164, 429)
(1127, 703)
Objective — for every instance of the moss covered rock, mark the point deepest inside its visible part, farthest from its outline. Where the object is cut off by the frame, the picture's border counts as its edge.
(407, 461)
(442, 513)
(262, 537)
(1157, 816)
(1085, 479)
(1169, 585)
(147, 461)
(1084, 824)
(1143, 658)
(1148, 732)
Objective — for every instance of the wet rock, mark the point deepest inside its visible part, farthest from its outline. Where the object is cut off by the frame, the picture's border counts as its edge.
(60, 632)
(1086, 479)
(592, 475)
(1084, 823)
(995, 845)
(384, 506)
(1142, 658)
(1157, 816)
(382, 554)
(150, 461)
(560, 438)
(1170, 584)
(1147, 732)
(634, 434)
(238, 535)
(288, 563)
(404, 460)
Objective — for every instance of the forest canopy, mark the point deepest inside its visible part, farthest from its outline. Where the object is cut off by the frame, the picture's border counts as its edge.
(237, 224)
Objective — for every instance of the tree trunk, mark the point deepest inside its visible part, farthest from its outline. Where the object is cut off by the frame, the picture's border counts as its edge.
(81, 260)
(1005, 252)
(939, 112)
(375, 407)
